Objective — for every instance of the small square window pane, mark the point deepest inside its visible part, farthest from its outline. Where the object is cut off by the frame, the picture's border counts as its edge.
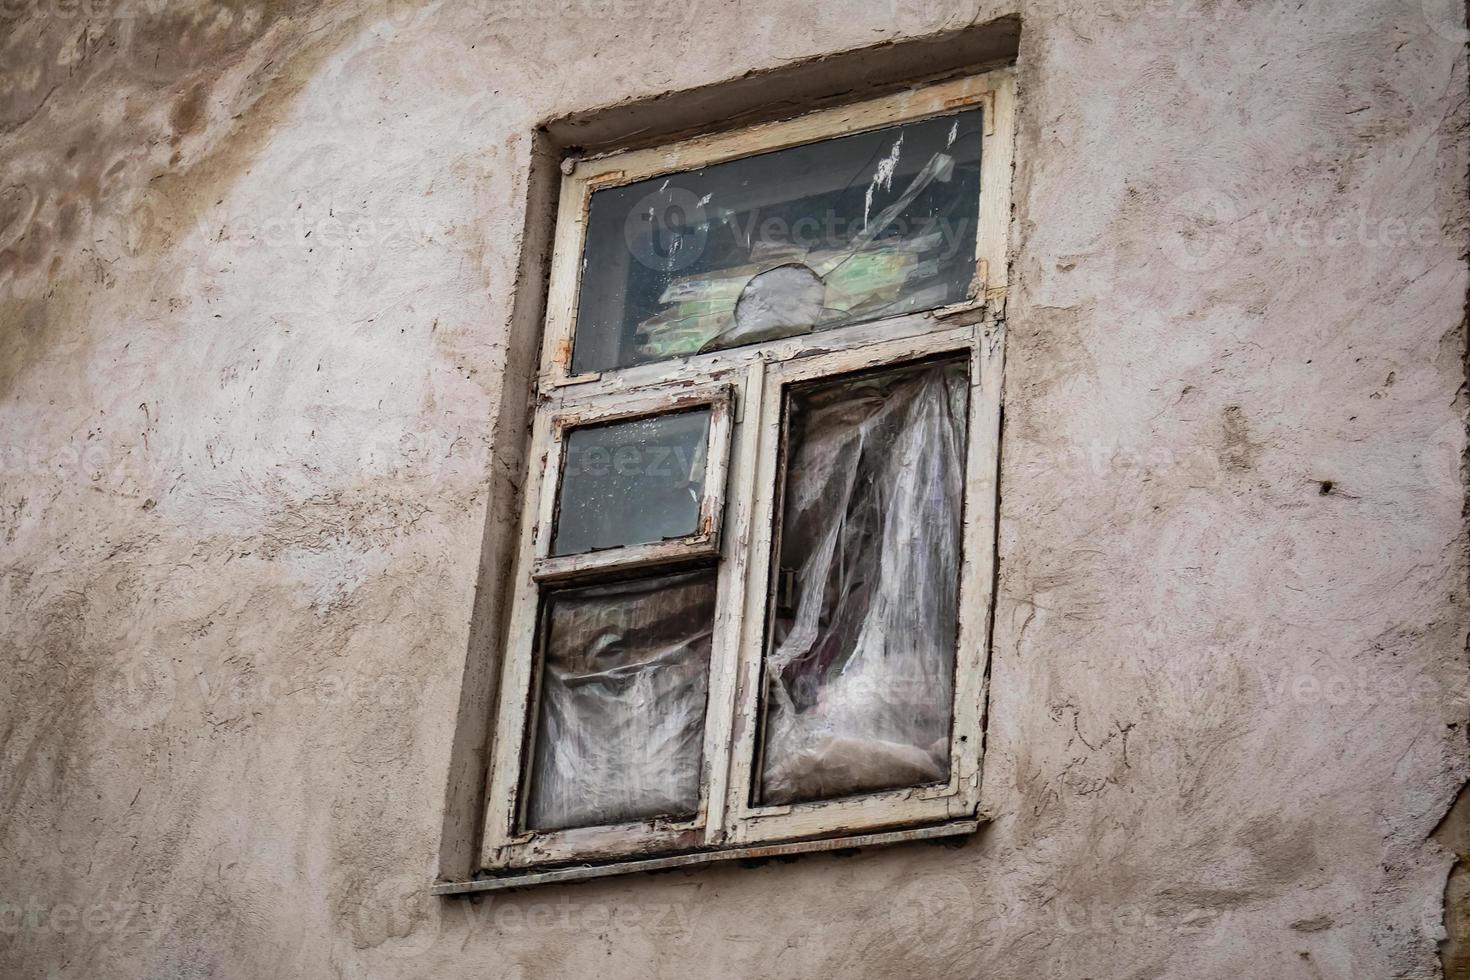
(859, 663)
(783, 243)
(624, 680)
(638, 481)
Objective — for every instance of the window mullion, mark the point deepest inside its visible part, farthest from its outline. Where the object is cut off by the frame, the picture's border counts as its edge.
(730, 614)
(761, 434)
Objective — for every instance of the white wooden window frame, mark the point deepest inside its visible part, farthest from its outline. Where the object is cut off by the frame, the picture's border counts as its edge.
(745, 389)
(704, 542)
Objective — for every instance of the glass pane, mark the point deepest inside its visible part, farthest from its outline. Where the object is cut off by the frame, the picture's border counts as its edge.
(859, 668)
(633, 482)
(783, 243)
(620, 727)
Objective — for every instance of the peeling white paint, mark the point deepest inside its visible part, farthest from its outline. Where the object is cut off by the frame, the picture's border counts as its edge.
(882, 177)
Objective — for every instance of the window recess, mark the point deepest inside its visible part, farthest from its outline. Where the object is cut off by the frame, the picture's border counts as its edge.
(752, 595)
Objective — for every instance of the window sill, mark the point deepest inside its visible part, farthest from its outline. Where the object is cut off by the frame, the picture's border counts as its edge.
(586, 872)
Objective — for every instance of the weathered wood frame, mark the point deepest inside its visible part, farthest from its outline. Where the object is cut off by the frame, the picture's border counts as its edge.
(959, 796)
(703, 543)
(756, 375)
(992, 91)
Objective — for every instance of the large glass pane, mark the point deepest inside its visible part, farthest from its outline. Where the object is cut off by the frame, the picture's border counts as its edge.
(632, 482)
(783, 243)
(859, 668)
(620, 726)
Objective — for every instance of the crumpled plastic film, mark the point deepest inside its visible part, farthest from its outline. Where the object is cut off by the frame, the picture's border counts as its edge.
(620, 725)
(860, 682)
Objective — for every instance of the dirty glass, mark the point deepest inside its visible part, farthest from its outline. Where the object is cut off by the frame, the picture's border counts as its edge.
(780, 244)
(859, 663)
(620, 721)
(632, 482)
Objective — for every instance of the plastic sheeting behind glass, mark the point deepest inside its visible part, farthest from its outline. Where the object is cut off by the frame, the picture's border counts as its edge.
(632, 482)
(779, 244)
(859, 670)
(620, 725)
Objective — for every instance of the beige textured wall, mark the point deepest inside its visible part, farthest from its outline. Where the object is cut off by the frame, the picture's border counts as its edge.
(242, 492)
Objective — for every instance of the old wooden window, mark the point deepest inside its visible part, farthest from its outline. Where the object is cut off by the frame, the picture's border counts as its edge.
(753, 590)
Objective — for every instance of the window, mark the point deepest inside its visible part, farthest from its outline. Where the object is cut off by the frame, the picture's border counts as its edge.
(752, 596)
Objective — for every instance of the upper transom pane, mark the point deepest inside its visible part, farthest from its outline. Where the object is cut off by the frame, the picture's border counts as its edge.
(780, 244)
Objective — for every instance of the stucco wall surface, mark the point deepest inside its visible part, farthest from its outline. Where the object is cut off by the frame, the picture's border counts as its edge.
(256, 268)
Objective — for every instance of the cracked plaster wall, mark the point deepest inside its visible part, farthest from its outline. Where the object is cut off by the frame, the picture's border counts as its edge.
(256, 266)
